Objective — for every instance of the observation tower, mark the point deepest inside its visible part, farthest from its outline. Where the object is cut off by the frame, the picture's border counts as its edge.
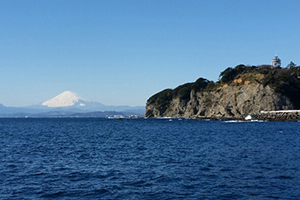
(276, 62)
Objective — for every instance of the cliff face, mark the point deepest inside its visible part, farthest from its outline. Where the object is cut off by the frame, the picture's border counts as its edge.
(241, 91)
(226, 102)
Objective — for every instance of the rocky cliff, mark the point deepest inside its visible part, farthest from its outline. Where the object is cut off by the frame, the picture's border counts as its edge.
(240, 91)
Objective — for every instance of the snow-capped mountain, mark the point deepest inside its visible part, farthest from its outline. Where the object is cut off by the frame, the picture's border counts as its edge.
(71, 102)
(66, 99)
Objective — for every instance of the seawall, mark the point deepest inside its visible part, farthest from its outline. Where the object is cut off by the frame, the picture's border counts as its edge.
(280, 115)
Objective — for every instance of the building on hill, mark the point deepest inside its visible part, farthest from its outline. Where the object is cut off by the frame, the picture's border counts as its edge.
(276, 62)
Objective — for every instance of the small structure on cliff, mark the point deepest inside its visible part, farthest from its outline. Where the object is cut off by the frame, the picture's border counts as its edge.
(276, 62)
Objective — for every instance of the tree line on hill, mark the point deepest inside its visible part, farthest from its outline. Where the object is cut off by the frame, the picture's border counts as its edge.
(285, 81)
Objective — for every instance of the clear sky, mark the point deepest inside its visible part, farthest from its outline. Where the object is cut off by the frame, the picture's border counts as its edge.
(120, 52)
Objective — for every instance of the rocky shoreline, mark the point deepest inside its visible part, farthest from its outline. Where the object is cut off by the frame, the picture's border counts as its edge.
(264, 116)
(278, 116)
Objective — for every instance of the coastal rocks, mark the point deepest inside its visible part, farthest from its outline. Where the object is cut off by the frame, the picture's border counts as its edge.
(278, 116)
(225, 102)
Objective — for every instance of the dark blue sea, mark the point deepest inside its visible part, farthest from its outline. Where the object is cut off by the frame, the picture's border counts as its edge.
(96, 158)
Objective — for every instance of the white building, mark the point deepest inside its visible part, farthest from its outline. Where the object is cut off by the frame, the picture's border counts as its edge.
(276, 62)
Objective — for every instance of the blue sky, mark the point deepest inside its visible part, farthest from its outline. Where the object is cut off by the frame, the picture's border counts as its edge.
(120, 52)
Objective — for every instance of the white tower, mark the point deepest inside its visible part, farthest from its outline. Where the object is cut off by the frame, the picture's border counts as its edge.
(276, 62)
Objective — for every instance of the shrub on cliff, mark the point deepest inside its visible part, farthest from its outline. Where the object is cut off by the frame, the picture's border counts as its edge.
(229, 74)
(264, 69)
(182, 92)
(200, 84)
(161, 97)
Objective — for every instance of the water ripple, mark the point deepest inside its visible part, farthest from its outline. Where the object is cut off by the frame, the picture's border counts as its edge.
(148, 159)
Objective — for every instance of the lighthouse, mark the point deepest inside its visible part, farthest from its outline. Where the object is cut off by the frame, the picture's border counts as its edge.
(276, 62)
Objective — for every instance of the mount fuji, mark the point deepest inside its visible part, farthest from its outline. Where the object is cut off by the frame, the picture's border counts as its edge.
(71, 102)
(66, 99)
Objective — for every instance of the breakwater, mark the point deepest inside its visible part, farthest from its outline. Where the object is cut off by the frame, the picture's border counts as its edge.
(280, 115)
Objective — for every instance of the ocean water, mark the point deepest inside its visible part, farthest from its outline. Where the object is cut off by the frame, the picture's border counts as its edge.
(148, 159)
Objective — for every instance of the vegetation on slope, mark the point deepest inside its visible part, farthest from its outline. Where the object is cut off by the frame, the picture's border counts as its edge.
(182, 91)
(285, 81)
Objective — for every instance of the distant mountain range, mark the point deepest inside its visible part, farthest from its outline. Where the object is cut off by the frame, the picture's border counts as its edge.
(70, 104)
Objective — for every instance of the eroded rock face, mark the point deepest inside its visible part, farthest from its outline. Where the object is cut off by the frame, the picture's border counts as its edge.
(226, 102)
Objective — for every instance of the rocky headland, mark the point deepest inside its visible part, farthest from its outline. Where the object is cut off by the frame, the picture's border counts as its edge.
(240, 91)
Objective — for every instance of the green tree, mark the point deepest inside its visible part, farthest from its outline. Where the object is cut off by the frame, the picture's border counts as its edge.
(227, 75)
(291, 65)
